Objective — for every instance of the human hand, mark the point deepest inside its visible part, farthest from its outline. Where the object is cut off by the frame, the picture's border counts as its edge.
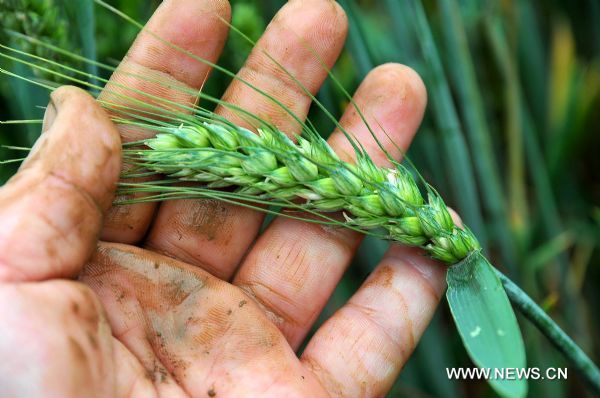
(188, 299)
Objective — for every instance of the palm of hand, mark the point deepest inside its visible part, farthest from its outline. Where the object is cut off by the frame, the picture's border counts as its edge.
(199, 312)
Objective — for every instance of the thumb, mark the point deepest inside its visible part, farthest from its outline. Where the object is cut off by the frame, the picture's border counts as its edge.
(51, 210)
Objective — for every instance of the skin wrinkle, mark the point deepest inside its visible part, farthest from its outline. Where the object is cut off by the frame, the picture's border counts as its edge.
(267, 300)
(300, 270)
(363, 342)
(153, 54)
(159, 87)
(104, 163)
(82, 192)
(343, 238)
(161, 344)
(366, 313)
(177, 77)
(296, 259)
(265, 108)
(124, 216)
(292, 258)
(168, 230)
(60, 160)
(215, 330)
(331, 32)
(168, 251)
(133, 387)
(64, 235)
(121, 335)
(426, 282)
(153, 349)
(322, 374)
(6, 269)
(272, 316)
(332, 26)
(263, 70)
(188, 39)
(133, 133)
(388, 286)
(88, 309)
(412, 262)
(84, 223)
(65, 304)
(362, 355)
(146, 269)
(81, 375)
(409, 328)
(211, 220)
(181, 296)
(162, 81)
(297, 263)
(272, 384)
(158, 366)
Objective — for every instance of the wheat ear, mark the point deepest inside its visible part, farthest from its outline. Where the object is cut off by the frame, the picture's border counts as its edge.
(270, 166)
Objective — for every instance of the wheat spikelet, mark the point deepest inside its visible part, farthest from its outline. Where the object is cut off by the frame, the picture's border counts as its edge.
(270, 166)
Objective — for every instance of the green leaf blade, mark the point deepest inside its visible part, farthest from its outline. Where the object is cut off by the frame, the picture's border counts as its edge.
(486, 322)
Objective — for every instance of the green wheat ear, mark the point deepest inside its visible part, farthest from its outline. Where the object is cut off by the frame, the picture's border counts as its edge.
(270, 166)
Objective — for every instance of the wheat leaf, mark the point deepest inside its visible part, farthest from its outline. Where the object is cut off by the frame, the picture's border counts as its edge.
(486, 322)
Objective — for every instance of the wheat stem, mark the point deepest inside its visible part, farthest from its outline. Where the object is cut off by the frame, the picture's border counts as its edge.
(552, 331)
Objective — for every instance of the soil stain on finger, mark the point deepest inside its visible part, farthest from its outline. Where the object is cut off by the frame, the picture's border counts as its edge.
(210, 219)
(383, 277)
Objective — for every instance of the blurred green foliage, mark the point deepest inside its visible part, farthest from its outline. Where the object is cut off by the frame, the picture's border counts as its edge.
(511, 140)
(43, 19)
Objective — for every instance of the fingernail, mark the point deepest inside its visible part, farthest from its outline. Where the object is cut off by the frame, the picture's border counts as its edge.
(42, 141)
(49, 116)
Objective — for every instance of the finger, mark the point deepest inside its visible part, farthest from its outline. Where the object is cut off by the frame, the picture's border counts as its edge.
(192, 330)
(294, 266)
(51, 210)
(167, 73)
(64, 342)
(302, 36)
(361, 349)
(66, 348)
